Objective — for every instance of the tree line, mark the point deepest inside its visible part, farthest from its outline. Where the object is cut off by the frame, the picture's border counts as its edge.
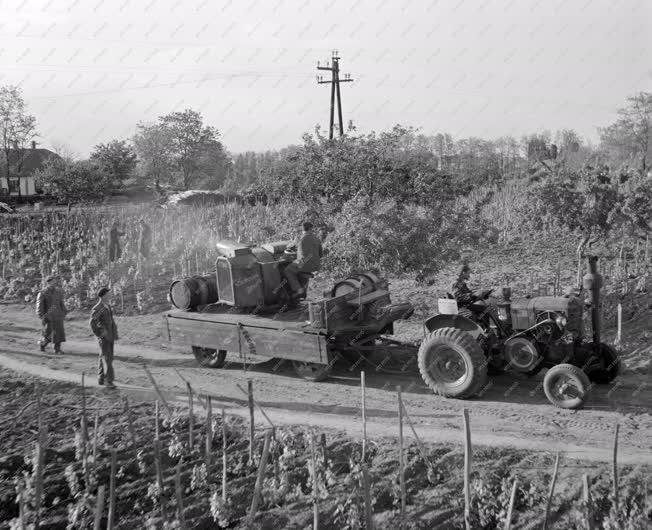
(180, 151)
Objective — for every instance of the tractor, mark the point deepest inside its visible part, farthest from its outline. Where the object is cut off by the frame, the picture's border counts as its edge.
(464, 345)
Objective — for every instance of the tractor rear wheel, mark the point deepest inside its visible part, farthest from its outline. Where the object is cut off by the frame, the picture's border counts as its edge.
(312, 371)
(603, 374)
(209, 357)
(452, 363)
(566, 386)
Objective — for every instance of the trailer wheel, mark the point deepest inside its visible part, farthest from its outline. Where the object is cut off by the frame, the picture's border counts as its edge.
(209, 357)
(312, 371)
(603, 375)
(452, 363)
(566, 386)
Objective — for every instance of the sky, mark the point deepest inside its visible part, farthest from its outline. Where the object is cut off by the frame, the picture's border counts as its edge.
(91, 70)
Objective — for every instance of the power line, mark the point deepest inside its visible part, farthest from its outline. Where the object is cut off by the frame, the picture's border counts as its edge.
(335, 90)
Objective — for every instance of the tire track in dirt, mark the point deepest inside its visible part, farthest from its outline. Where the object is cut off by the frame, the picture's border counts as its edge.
(521, 419)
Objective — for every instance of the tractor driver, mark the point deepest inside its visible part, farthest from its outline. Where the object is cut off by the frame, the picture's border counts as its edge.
(309, 253)
(461, 291)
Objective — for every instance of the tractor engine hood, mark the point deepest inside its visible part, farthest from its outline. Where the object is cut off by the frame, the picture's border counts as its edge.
(524, 312)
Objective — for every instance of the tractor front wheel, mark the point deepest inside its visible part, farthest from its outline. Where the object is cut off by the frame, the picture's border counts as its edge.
(566, 386)
(452, 363)
(607, 367)
(209, 357)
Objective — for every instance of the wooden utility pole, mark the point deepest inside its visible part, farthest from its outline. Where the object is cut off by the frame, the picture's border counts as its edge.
(335, 81)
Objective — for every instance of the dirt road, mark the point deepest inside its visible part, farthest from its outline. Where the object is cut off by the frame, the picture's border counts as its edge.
(510, 412)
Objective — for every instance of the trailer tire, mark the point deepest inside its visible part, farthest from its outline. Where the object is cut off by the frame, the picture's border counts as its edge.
(562, 378)
(209, 357)
(312, 371)
(452, 363)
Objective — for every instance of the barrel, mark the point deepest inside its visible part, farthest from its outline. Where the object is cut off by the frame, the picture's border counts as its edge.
(188, 293)
(362, 283)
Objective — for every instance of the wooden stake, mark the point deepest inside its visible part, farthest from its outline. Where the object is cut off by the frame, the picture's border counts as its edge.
(112, 478)
(130, 424)
(512, 498)
(364, 417)
(38, 472)
(368, 510)
(586, 497)
(315, 493)
(224, 462)
(401, 463)
(619, 332)
(84, 434)
(467, 469)
(156, 424)
(179, 491)
(420, 445)
(159, 476)
(257, 405)
(615, 468)
(209, 434)
(157, 390)
(551, 491)
(99, 507)
(21, 504)
(191, 419)
(259, 479)
(95, 428)
(250, 393)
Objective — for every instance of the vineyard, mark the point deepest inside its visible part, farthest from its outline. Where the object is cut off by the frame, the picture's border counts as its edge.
(74, 458)
(80, 459)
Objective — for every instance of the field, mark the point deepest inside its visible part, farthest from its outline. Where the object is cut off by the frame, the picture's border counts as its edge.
(516, 433)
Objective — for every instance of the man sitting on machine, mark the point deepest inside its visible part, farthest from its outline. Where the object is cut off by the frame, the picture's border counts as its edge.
(308, 260)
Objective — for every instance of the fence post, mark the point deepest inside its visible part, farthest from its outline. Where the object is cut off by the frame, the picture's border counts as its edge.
(99, 507)
(250, 394)
(315, 493)
(586, 497)
(368, 511)
(512, 498)
(468, 455)
(191, 419)
(551, 491)
(177, 484)
(615, 468)
(209, 434)
(401, 463)
(260, 477)
(112, 476)
(224, 463)
(364, 417)
(40, 467)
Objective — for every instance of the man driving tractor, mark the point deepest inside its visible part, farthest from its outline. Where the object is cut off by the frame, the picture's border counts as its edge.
(308, 260)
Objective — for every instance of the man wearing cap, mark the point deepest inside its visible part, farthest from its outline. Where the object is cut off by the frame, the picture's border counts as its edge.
(106, 331)
(52, 311)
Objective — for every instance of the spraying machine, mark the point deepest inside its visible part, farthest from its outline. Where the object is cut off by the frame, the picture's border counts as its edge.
(246, 309)
(520, 336)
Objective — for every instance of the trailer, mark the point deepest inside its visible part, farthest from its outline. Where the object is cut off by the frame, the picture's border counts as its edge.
(246, 310)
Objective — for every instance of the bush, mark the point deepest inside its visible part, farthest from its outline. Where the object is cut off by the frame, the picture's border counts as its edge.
(395, 239)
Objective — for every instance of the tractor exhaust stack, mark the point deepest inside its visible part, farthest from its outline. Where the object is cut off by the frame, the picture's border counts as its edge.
(592, 283)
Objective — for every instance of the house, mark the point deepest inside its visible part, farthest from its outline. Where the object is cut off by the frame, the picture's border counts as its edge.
(23, 165)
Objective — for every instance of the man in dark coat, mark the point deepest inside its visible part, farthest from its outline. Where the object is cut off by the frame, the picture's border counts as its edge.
(106, 331)
(115, 251)
(144, 239)
(461, 291)
(52, 311)
(309, 254)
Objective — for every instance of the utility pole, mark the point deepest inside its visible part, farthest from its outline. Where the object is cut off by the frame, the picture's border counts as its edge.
(335, 81)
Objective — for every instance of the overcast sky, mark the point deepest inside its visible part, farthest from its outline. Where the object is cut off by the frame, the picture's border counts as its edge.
(92, 69)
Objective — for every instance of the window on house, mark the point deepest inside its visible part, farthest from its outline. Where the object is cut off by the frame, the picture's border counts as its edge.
(14, 186)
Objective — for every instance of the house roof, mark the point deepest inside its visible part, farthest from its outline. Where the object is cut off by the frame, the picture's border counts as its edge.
(32, 159)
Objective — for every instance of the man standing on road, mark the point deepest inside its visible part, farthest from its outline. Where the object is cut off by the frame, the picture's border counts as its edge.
(51, 310)
(106, 331)
(144, 238)
(309, 253)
